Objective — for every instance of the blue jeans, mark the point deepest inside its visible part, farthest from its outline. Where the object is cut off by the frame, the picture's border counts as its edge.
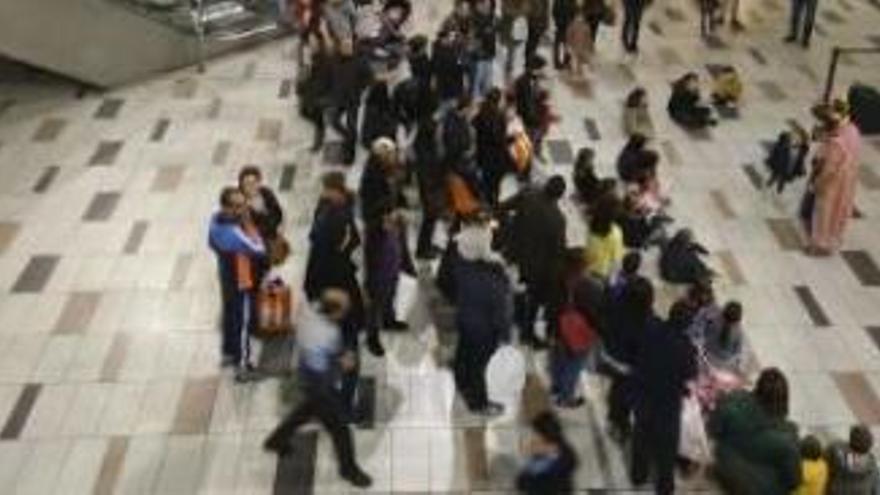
(482, 78)
(237, 318)
(565, 372)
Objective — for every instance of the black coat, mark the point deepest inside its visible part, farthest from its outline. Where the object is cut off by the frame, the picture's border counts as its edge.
(376, 191)
(380, 115)
(351, 76)
(484, 301)
(630, 163)
(536, 239)
(459, 142)
(526, 94)
(485, 36)
(430, 169)
(665, 363)
(449, 68)
(490, 126)
(785, 162)
(270, 219)
(680, 261)
(315, 88)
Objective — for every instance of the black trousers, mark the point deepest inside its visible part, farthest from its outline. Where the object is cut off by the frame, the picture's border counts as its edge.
(533, 40)
(655, 445)
(322, 402)
(632, 21)
(803, 17)
(345, 122)
(469, 369)
(426, 233)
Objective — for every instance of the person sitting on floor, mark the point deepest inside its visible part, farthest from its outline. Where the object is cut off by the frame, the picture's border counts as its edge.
(685, 106)
(852, 466)
(636, 116)
(727, 87)
(680, 261)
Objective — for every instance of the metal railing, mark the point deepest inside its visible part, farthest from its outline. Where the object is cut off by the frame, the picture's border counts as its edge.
(836, 53)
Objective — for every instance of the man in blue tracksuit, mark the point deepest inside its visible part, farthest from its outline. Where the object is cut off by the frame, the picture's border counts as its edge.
(236, 245)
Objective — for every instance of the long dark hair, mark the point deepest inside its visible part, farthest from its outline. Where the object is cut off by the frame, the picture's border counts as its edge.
(771, 392)
(603, 216)
(731, 315)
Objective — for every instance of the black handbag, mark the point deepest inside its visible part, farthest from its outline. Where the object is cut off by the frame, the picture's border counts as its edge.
(807, 207)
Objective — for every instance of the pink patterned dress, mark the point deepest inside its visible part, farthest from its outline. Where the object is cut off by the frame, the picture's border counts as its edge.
(835, 187)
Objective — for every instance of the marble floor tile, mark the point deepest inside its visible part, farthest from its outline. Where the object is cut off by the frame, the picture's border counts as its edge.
(102, 206)
(860, 395)
(160, 130)
(109, 108)
(111, 465)
(82, 467)
(106, 153)
(49, 130)
(40, 471)
(46, 179)
(144, 457)
(36, 274)
(20, 412)
(78, 312)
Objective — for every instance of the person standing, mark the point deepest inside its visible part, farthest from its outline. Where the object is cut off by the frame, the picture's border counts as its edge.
(313, 90)
(449, 67)
(536, 244)
(238, 246)
(551, 462)
(321, 358)
(493, 158)
(563, 14)
(834, 179)
(803, 18)
(632, 21)
(334, 238)
(483, 303)
(431, 177)
(665, 363)
(263, 206)
(351, 76)
(538, 20)
(484, 31)
(513, 31)
(527, 92)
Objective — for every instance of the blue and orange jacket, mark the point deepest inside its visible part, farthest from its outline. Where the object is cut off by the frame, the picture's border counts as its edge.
(236, 247)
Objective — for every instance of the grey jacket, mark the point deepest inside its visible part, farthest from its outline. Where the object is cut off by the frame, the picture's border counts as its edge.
(850, 474)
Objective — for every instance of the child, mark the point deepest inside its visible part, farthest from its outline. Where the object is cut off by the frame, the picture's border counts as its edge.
(579, 41)
(551, 459)
(814, 468)
(727, 88)
(787, 158)
(851, 465)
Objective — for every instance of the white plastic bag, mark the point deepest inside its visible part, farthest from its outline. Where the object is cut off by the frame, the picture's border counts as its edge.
(693, 443)
(405, 298)
(506, 375)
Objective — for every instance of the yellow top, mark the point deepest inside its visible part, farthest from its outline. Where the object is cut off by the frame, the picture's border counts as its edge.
(728, 85)
(815, 477)
(605, 253)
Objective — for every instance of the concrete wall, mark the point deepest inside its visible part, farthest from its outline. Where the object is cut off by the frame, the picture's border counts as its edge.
(93, 41)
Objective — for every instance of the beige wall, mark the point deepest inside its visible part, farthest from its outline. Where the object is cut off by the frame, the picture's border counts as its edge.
(92, 41)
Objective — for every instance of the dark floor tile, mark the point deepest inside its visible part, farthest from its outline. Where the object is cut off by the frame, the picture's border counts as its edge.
(812, 307)
(759, 57)
(863, 266)
(109, 108)
(860, 396)
(808, 71)
(561, 152)
(592, 129)
(655, 28)
(111, 466)
(160, 130)
(754, 176)
(49, 130)
(269, 130)
(675, 14)
(102, 206)
(285, 88)
(722, 204)
(296, 473)
(195, 406)
(77, 314)
(167, 178)
(46, 178)
(184, 88)
(18, 417)
(135, 237)
(106, 153)
(668, 56)
(580, 88)
(214, 108)
(250, 69)
(833, 17)
(288, 175)
(221, 153)
(786, 233)
(36, 273)
(771, 90)
(874, 334)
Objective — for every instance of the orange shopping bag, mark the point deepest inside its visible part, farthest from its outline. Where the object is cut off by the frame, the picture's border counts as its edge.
(461, 199)
(274, 308)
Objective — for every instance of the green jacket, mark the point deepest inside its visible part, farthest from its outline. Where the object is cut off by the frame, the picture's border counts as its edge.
(755, 454)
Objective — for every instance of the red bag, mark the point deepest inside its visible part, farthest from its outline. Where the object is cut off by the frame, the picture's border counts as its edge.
(274, 304)
(576, 332)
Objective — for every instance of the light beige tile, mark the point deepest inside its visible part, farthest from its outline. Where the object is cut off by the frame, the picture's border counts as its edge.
(111, 466)
(196, 406)
(80, 471)
(39, 473)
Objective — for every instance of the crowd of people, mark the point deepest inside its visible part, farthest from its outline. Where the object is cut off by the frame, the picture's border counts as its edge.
(436, 120)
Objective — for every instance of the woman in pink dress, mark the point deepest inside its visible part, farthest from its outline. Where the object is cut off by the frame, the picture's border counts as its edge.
(834, 180)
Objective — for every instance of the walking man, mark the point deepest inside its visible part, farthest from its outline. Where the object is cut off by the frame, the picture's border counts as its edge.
(803, 17)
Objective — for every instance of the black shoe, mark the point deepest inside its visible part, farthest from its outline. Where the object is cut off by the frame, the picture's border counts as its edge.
(535, 343)
(571, 403)
(790, 38)
(396, 326)
(805, 43)
(374, 345)
(357, 477)
(274, 445)
(490, 410)
(429, 254)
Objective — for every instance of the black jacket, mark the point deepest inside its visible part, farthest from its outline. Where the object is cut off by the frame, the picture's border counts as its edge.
(351, 76)
(458, 140)
(665, 363)
(380, 115)
(485, 36)
(490, 126)
(376, 190)
(526, 95)
(563, 12)
(680, 261)
(484, 301)
(536, 239)
(781, 162)
(449, 67)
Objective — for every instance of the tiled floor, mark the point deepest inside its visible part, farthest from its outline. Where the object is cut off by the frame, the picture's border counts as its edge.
(109, 380)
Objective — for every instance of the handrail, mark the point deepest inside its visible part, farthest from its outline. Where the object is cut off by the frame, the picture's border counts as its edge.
(836, 53)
